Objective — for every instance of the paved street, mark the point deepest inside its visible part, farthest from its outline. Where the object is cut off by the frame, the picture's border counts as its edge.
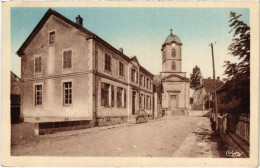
(173, 136)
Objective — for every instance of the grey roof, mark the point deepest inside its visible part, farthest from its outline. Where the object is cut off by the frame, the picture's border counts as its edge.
(172, 38)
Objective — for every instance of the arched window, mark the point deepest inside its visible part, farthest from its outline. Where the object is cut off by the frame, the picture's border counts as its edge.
(173, 65)
(173, 52)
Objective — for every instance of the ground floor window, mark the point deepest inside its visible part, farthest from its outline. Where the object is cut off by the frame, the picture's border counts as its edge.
(38, 95)
(67, 93)
(121, 97)
(107, 95)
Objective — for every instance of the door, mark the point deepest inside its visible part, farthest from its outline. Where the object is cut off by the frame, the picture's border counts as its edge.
(173, 102)
(133, 102)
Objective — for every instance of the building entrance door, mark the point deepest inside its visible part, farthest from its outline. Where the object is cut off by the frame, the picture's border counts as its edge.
(133, 102)
(173, 102)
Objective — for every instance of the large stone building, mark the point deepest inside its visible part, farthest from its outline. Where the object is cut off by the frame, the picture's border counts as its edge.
(72, 77)
(175, 85)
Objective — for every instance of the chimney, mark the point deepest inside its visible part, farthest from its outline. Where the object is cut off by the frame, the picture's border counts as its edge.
(218, 78)
(121, 50)
(79, 20)
(209, 77)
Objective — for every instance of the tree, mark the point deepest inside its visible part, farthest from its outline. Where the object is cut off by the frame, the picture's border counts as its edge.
(238, 74)
(195, 77)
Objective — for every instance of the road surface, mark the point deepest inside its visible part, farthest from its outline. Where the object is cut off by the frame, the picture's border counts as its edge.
(172, 136)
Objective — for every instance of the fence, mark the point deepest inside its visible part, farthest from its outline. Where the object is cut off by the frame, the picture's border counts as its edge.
(240, 126)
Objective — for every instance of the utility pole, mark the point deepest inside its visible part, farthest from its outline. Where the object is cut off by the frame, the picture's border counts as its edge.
(215, 88)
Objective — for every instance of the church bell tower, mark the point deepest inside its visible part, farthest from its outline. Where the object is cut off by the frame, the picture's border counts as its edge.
(171, 54)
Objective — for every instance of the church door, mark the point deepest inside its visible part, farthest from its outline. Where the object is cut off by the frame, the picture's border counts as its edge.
(173, 102)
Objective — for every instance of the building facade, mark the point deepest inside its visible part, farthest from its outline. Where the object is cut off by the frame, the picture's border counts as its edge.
(71, 76)
(175, 85)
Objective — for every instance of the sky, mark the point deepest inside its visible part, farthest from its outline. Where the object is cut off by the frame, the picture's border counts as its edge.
(142, 31)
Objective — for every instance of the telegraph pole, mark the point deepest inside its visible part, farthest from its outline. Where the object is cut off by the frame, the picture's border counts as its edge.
(215, 88)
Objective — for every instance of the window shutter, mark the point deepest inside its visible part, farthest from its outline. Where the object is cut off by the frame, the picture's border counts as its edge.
(102, 94)
(144, 102)
(112, 95)
(125, 97)
(136, 77)
(118, 98)
(150, 102)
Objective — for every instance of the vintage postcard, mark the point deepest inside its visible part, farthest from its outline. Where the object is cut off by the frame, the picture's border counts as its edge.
(130, 83)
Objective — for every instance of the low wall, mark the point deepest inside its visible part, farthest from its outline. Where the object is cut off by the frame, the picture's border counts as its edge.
(51, 127)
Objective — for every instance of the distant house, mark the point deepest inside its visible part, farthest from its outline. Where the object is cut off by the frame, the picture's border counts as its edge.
(15, 98)
(201, 95)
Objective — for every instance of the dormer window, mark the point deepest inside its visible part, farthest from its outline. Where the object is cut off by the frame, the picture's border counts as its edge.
(52, 37)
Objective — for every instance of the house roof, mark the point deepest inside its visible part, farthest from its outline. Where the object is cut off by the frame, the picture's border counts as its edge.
(208, 84)
(90, 34)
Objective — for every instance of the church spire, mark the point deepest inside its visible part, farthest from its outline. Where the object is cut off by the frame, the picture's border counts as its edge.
(171, 31)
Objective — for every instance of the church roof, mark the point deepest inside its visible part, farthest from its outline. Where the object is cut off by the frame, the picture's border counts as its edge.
(172, 38)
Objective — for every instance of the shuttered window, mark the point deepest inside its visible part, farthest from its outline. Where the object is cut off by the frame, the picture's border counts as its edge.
(38, 64)
(107, 63)
(107, 95)
(67, 62)
(121, 69)
(121, 97)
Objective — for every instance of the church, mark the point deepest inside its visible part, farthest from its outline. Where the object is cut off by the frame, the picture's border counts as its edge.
(175, 85)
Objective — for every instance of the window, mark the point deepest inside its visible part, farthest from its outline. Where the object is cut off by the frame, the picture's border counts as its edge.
(141, 101)
(173, 52)
(144, 82)
(38, 64)
(136, 78)
(67, 93)
(148, 83)
(141, 79)
(51, 37)
(38, 95)
(107, 63)
(121, 69)
(173, 65)
(67, 56)
(133, 74)
(148, 102)
(121, 97)
(107, 95)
